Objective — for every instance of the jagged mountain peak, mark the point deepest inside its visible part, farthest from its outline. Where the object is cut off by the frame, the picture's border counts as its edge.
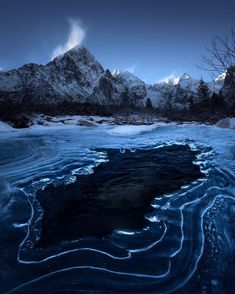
(77, 76)
(115, 72)
(185, 76)
(125, 74)
(128, 79)
(76, 50)
(80, 56)
(170, 80)
(80, 50)
(220, 78)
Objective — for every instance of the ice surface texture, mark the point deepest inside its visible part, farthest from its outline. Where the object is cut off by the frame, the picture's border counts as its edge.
(187, 245)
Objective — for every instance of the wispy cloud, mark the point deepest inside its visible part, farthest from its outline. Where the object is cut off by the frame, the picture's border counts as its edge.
(131, 69)
(76, 36)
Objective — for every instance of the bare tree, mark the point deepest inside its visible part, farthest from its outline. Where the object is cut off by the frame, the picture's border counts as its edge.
(221, 54)
(167, 93)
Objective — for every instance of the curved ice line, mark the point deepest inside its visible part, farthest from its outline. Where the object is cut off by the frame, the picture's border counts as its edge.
(92, 268)
(129, 252)
(182, 224)
(151, 245)
(71, 251)
(99, 251)
(203, 243)
(27, 223)
(131, 274)
(59, 254)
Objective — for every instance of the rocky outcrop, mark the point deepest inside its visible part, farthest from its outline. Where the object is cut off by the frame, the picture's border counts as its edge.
(227, 123)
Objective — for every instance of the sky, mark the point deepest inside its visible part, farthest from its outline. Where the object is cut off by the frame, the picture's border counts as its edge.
(151, 38)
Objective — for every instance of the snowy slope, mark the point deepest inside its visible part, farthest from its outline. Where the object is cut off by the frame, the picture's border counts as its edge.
(134, 87)
(77, 76)
(74, 76)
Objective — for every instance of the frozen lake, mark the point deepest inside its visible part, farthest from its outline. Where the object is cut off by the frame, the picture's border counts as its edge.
(127, 209)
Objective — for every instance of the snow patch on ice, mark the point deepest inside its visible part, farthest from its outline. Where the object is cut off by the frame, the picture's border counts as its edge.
(131, 130)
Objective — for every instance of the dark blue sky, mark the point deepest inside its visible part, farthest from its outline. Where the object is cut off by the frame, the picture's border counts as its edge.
(153, 38)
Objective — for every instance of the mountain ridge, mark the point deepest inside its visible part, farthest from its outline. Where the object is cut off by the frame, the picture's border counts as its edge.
(77, 76)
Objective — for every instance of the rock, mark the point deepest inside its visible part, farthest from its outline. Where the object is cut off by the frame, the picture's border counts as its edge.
(21, 122)
(227, 123)
(86, 123)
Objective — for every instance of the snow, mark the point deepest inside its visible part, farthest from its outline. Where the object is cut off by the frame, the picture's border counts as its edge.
(66, 121)
(131, 82)
(30, 159)
(130, 130)
(77, 76)
(170, 80)
(154, 95)
(5, 127)
(220, 77)
(186, 82)
(217, 83)
(227, 123)
(232, 123)
(221, 140)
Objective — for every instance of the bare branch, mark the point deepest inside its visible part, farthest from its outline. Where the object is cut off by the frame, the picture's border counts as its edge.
(221, 54)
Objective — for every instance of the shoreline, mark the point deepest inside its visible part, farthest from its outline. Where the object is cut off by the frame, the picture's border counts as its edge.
(61, 121)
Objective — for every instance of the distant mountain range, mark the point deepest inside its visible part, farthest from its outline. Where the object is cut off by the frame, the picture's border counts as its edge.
(77, 76)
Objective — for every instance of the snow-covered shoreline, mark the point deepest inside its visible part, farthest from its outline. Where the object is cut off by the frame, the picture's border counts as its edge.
(119, 129)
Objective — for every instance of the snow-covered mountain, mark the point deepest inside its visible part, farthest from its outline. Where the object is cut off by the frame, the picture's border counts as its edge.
(170, 80)
(74, 76)
(77, 76)
(134, 87)
(189, 84)
(184, 88)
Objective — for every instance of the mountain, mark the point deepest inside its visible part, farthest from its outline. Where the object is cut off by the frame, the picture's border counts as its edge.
(134, 88)
(77, 76)
(216, 84)
(190, 85)
(184, 89)
(170, 80)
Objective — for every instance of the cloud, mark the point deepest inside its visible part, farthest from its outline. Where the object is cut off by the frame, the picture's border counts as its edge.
(131, 69)
(76, 36)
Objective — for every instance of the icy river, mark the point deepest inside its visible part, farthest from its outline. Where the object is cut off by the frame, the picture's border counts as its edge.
(127, 209)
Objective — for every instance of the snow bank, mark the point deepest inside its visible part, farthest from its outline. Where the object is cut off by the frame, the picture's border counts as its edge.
(43, 121)
(232, 123)
(227, 123)
(5, 127)
(131, 130)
